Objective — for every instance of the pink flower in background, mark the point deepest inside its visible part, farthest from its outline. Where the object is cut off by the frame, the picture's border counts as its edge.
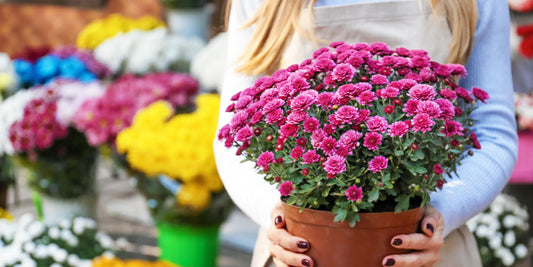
(335, 165)
(463, 93)
(398, 128)
(265, 159)
(286, 188)
(311, 124)
(446, 108)
(245, 133)
(379, 79)
(480, 94)
(354, 193)
(377, 124)
(297, 152)
(429, 107)
(288, 130)
(297, 116)
(346, 114)
(302, 102)
(350, 139)
(422, 122)
(475, 141)
(328, 145)
(366, 97)
(448, 94)
(343, 72)
(377, 164)
(422, 92)
(372, 141)
(452, 128)
(310, 157)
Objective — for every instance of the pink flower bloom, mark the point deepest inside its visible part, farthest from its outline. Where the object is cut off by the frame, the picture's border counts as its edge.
(230, 108)
(362, 86)
(379, 79)
(377, 124)
(311, 124)
(372, 141)
(443, 70)
(302, 102)
(347, 91)
(297, 116)
(429, 107)
(273, 105)
(257, 117)
(302, 141)
(366, 97)
(269, 94)
(390, 92)
(286, 188)
(464, 94)
(411, 107)
(335, 165)
(316, 138)
(296, 153)
(245, 133)
(323, 64)
(238, 121)
(447, 109)
(398, 128)
(448, 94)
(452, 128)
(223, 133)
(475, 141)
(288, 130)
(274, 116)
(243, 102)
(388, 109)
(457, 69)
(265, 159)
(354, 193)
(299, 84)
(407, 83)
(422, 92)
(437, 169)
(343, 72)
(422, 122)
(378, 163)
(328, 145)
(320, 51)
(480, 94)
(326, 99)
(363, 116)
(413, 76)
(419, 61)
(350, 139)
(380, 48)
(310, 157)
(346, 114)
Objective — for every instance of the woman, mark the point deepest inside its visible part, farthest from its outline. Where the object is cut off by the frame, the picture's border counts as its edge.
(278, 33)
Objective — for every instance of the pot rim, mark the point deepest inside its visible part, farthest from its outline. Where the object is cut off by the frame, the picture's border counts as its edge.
(374, 220)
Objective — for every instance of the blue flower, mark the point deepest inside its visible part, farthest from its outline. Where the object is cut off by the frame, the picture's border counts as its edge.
(87, 77)
(72, 68)
(24, 70)
(46, 68)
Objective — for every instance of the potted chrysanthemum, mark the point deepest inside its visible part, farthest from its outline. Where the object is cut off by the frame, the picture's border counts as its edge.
(170, 154)
(360, 134)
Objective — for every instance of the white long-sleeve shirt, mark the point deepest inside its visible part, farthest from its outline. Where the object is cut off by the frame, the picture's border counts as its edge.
(480, 178)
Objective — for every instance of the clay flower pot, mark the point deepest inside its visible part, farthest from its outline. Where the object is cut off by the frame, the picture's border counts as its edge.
(337, 244)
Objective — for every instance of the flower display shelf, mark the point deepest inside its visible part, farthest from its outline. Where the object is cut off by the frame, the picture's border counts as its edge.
(36, 25)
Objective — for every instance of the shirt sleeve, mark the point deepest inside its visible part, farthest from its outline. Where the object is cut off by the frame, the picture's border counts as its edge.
(482, 177)
(248, 189)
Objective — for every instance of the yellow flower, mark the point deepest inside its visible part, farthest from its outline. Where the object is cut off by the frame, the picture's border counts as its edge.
(6, 81)
(4, 214)
(116, 262)
(194, 195)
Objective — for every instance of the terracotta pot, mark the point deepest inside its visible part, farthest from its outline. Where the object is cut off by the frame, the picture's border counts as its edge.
(337, 244)
(3, 195)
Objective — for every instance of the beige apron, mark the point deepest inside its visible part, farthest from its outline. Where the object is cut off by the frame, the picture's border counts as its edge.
(410, 24)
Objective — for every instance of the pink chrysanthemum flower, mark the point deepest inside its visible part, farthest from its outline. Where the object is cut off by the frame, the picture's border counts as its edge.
(410, 107)
(298, 83)
(448, 94)
(346, 114)
(326, 99)
(464, 94)
(245, 133)
(452, 128)
(311, 124)
(328, 145)
(286, 188)
(422, 92)
(238, 121)
(379, 79)
(323, 64)
(354, 193)
(296, 153)
(377, 124)
(350, 139)
(378, 163)
(437, 169)
(310, 157)
(343, 72)
(372, 141)
(297, 116)
(422, 122)
(243, 102)
(303, 101)
(316, 138)
(366, 97)
(390, 92)
(224, 132)
(480, 94)
(447, 109)
(398, 128)
(288, 130)
(429, 107)
(347, 91)
(265, 159)
(335, 165)
(475, 141)
(274, 116)
(273, 105)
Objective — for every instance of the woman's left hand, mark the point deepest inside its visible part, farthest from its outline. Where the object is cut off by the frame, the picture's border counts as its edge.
(426, 244)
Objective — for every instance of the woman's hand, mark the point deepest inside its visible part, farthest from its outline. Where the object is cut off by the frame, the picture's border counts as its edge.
(286, 250)
(427, 244)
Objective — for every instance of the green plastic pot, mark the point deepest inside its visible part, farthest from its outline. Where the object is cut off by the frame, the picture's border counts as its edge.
(188, 246)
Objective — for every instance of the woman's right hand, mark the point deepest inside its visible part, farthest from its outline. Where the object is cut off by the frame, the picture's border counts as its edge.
(286, 250)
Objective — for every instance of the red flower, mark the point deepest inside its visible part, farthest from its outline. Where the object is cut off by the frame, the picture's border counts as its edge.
(480, 94)
(437, 169)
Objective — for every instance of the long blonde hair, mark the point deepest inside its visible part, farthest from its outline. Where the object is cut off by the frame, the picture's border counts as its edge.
(276, 21)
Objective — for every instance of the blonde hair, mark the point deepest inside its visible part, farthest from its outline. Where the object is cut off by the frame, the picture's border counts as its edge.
(276, 21)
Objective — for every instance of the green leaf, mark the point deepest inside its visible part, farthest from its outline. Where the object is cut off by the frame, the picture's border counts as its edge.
(340, 214)
(414, 169)
(373, 195)
(353, 219)
(398, 152)
(403, 203)
(417, 155)
(291, 200)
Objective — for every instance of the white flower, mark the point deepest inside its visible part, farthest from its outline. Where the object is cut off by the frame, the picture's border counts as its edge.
(108, 254)
(73, 260)
(509, 221)
(65, 224)
(29, 247)
(41, 251)
(71, 97)
(85, 263)
(55, 265)
(497, 209)
(495, 242)
(509, 239)
(209, 66)
(35, 229)
(28, 262)
(482, 231)
(54, 232)
(60, 255)
(520, 251)
(104, 240)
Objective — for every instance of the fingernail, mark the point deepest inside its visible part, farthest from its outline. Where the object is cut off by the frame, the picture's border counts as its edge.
(430, 227)
(397, 242)
(277, 220)
(306, 262)
(302, 244)
(390, 262)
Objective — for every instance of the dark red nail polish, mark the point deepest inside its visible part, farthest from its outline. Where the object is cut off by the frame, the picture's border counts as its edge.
(430, 227)
(277, 220)
(306, 262)
(302, 244)
(390, 262)
(397, 242)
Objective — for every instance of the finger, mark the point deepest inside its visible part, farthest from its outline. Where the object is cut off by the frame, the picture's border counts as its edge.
(278, 263)
(287, 241)
(432, 223)
(277, 216)
(413, 241)
(414, 259)
(290, 258)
